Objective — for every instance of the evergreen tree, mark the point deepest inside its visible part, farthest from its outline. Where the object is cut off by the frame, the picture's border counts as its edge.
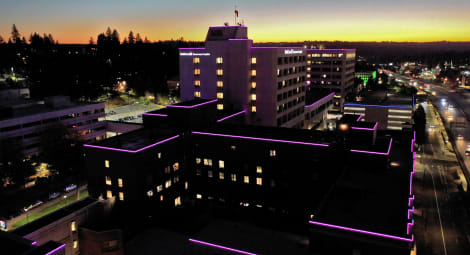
(131, 38)
(108, 33)
(146, 40)
(115, 37)
(15, 35)
(1, 40)
(138, 39)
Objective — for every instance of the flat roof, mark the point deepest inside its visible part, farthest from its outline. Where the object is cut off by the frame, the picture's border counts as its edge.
(134, 141)
(192, 103)
(52, 217)
(382, 98)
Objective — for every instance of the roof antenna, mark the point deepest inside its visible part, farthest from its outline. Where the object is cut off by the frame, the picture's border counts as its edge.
(236, 15)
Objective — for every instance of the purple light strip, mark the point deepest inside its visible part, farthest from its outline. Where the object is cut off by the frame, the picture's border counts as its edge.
(155, 114)
(193, 106)
(34, 243)
(230, 116)
(363, 231)
(278, 48)
(360, 117)
(332, 94)
(225, 26)
(56, 249)
(191, 48)
(410, 212)
(378, 153)
(383, 106)
(220, 247)
(130, 151)
(260, 139)
(409, 226)
(370, 129)
(329, 49)
(410, 200)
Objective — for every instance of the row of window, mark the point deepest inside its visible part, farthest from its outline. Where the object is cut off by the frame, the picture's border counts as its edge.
(291, 70)
(291, 115)
(290, 82)
(288, 105)
(233, 177)
(221, 163)
(290, 93)
(289, 60)
(219, 60)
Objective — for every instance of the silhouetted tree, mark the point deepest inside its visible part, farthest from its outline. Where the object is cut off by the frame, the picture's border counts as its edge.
(101, 39)
(138, 39)
(1, 40)
(13, 167)
(131, 38)
(146, 40)
(15, 35)
(91, 41)
(108, 33)
(115, 37)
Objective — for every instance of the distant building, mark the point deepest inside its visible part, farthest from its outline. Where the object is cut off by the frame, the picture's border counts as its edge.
(332, 70)
(390, 111)
(268, 83)
(23, 120)
(12, 244)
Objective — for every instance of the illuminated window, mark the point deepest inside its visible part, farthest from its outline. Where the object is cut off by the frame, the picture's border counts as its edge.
(121, 196)
(233, 147)
(220, 72)
(246, 179)
(209, 174)
(272, 153)
(219, 60)
(253, 97)
(167, 184)
(176, 179)
(221, 164)
(108, 180)
(308, 68)
(106, 163)
(197, 94)
(233, 177)
(259, 170)
(253, 109)
(159, 188)
(198, 160)
(221, 175)
(309, 55)
(109, 194)
(220, 106)
(159, 155)
(259, 181)
(253, 85)
(75, 244)
(253, 72)
(197, 71)
(308, 75)
(309, 62)
(278, 72)
(253, 60)
(220, 95)
(208, 162)
(177, 201)
(220, 84)
(73, 226)
(120, 182)
(196, 60)
(186, 185)
(161, 197)
(197, 83)
(176, 166)
(149, 193)
(198, 196)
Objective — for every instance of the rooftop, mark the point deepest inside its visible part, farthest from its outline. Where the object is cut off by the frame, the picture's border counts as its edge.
(383, 98)
(52, 217)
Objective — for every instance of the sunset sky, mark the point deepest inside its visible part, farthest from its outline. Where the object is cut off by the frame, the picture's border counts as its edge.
(267, 20)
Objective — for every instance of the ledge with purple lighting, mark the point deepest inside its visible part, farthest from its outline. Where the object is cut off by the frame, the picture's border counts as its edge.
(319, 101)
(190, 106)
(230, 116)
(410, 240)
(155, 114)
(260, 139)
(220, 247)
(56, 249)
(374, 152)
(363, 128)
(131, 151)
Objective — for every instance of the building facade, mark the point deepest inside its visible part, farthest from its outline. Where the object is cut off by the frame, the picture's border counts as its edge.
(269, 83)
(332, 70)
(24, 121)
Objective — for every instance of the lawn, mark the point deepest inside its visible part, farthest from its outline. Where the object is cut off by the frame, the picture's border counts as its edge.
(44, 211)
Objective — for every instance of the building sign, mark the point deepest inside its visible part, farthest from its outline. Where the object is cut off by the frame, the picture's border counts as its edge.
(292, 51)
(194, 54)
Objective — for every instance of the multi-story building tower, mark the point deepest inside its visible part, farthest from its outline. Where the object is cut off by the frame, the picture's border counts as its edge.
(332, 70)
(24, 121)
(266, 82)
